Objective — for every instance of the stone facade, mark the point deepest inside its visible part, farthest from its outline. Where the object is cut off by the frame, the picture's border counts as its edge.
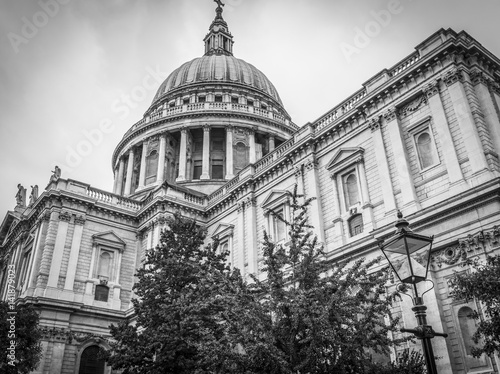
(422, 137)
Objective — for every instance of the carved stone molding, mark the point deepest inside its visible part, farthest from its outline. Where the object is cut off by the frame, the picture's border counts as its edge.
(375, 123)
(250, 201)
(413, 106)
(391, 114)
(453, 76)
(495, 86)
(467, 247)
(431, 89)
(64, 216)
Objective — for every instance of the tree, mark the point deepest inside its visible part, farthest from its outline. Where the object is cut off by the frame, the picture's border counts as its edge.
(326, 317)
(20, 338)
(483, 285)
(192, 314)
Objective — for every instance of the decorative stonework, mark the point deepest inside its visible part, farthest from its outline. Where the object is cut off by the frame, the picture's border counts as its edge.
(64, 216)
(478, 77)
(391, 114)
(453, 76)
(375, 123)
(80, 220)
(206, 127)
(229, 128)
(467, 247)
(431, 89)
(311, 165)
(250, 202)
(413, 106)
(240, 206)
(495, 86)
(298, 172)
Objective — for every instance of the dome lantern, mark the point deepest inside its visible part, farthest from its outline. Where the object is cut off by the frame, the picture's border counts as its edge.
(219, 40)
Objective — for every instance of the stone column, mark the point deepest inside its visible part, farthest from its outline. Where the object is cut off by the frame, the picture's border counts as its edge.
(408, 193)
(485, 98)
(205, 166)
(251, 227)
(251, 137)
(130, 171)
(119, 178)
(271, 143)
(182, 156)
(438, 114)
(57, 254)
(316, 211)
(465, 119)
(160, 174)
(142, 172)
(229, 152)
(241, 238)
(383, 167)
(73, 254)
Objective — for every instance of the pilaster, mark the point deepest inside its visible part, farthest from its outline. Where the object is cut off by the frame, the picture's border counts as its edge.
(448, 148)
(57, 254)
(74, 252)
(251, 227)
(121, 170)
(477, 159)
(316, 213)
(383, 167)
(408, 193)
(251, 142)
(241, 237)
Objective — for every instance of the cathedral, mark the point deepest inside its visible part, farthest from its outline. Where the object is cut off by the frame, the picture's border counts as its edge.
(216, 144)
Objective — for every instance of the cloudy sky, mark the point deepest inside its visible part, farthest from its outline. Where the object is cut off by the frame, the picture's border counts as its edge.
(69, 66)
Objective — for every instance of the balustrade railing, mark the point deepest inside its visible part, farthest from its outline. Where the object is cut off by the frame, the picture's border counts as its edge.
(409, 61)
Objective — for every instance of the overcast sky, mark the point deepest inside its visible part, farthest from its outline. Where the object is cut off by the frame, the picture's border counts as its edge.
(68, 66)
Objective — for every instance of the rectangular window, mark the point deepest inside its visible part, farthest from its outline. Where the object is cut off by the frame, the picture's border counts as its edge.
(278, 225)
(234, 100)
(217, 145)
(197, 169)
(217, 169)
(351, 189)
(185, 101)
(218, 99)
(201, 99)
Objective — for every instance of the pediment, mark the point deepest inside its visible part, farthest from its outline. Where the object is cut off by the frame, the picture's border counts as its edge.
(109, 239)
(275, 197)
(345, 157)
(223, 229)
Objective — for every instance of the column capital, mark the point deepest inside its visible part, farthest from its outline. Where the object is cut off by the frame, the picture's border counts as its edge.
(252, 130)
(391, 114)
(298, 171)
(229, 128)
(495, 86)
(431, 89)
(184, 129)
(65, 216)
(375, 123)
(453, 76)
(80, 220)
(311, 164)
(477, 77)
(206, 127)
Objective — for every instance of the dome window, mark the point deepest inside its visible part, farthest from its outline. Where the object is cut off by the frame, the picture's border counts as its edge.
(218, 98)
(234, 100)
(185, 101)
(202, 99)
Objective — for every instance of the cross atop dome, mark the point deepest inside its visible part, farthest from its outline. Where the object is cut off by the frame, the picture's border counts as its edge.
(219, 40)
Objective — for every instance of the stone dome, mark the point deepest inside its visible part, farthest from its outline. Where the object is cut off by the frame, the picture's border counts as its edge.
(217, 68)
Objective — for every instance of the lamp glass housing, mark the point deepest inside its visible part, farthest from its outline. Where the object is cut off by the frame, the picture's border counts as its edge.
(409, 255)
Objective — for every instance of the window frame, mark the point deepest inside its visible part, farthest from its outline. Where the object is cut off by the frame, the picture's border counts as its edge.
(417, 129)
(277, 200)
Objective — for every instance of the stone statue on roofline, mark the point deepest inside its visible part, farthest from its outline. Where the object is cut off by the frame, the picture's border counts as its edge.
(20, 196)
(56, 174)
(33, 194)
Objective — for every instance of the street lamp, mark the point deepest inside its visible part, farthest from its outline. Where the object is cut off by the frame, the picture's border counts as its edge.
(409, 255)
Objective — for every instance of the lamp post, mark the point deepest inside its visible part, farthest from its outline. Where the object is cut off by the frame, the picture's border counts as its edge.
(409, 255)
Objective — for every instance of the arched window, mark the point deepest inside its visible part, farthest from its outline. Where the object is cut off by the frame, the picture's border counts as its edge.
(90, 363)
(355, 225)
(351, 190)
(467, 328)
(240, 157)
(104, 265)
(151, 167)
(425, 149)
